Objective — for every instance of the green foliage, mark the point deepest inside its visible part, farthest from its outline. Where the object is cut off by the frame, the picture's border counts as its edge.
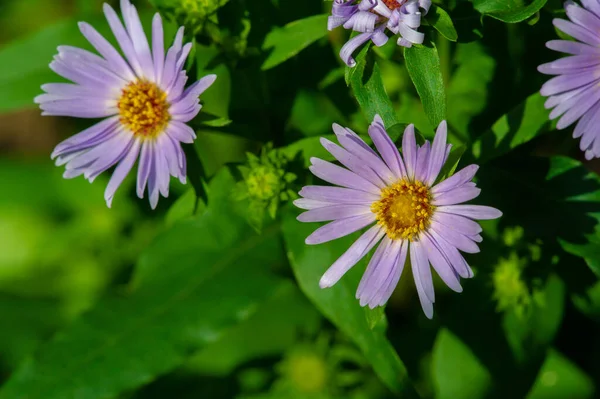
(365, 80)
(430, 86)
(288, 41)
(107, 349)
(470, 380)
(510, 11)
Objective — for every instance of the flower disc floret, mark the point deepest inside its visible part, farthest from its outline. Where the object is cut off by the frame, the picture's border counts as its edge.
(143, 109)
(404, 209)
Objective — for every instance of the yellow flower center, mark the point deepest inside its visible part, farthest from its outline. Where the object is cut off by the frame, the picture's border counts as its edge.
(144, 109)
(404, 209)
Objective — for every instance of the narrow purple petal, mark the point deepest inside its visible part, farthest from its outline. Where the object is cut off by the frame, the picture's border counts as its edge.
(138, 38)
(438, 152)
(352, 162)
(458, 223)
(422, 276)
(121, 171)
(307, 203)
(351, 45)
(87, 138)
(158, 47)
(456, 239)
(422, 165)
(409, 150)
(456, 195)
(478, 212)
(380, 268)
(334, 212)
(386, 147)
(457, 179)
(110, 54)
(338, 195)
(454, 257)
(339, 176)
(144, 168)
(440, 263)
(123, 39)
(181, 132)
(392, 281)
(339, 228)
(355, 253)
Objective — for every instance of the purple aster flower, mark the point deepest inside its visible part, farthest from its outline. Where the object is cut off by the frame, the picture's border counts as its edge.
(141, 96)
(574, 94)
(373, 17)
(408, 209)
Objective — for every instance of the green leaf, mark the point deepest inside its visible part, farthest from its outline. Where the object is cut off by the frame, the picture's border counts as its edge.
(183, 208)
(168, 311)
(338, 303)
(270, 331)
(294, 37)
(452, 162)
(423, 65)
(530, 334)
(511, 11)
(559, 378)
(457, 372)
(309, 147)
(519, 126)
(441, 21)
(584, 190)
(366, 83)
(468, 87)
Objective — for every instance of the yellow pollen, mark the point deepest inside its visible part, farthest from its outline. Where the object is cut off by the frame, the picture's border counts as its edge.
(144, 109)
(404, 209)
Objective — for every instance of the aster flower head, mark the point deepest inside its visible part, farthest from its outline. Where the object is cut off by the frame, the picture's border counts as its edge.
(574, 93)
(410, 212)
(139, 93)
(372, 17)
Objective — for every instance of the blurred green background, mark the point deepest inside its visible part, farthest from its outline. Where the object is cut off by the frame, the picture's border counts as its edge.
(215, 295)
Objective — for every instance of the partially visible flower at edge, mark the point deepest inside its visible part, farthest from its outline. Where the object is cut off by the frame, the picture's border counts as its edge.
(574, 94)
(142, 97)
(397, 195)
(266, 184)
(372, 17)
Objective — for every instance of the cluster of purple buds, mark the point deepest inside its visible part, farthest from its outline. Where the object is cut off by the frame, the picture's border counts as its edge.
(371, 18)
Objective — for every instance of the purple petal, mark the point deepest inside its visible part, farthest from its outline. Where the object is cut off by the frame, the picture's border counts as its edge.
(478, 212)
(440, 263)
(386, 147)
(338, 195)
(87, 138)
(352, 162)
(355, 145)
(144, 168)
(458, 223)
(422, 161)
(577, 32)
(380, 268)
(438, 152)
(392, 280)
(456, 195)
(454, 238)
(158, 46)
(455, 259)
(138, 38)
(334, 212)
(355, 253)
(339, 228)
(570, 47)
(409, 150)
(351, 45)
(339, 176)
(110, 54)
(422, 276)
(123, 39)
(181, 132)
(306, 203)
(121, 171)
(459, 178)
